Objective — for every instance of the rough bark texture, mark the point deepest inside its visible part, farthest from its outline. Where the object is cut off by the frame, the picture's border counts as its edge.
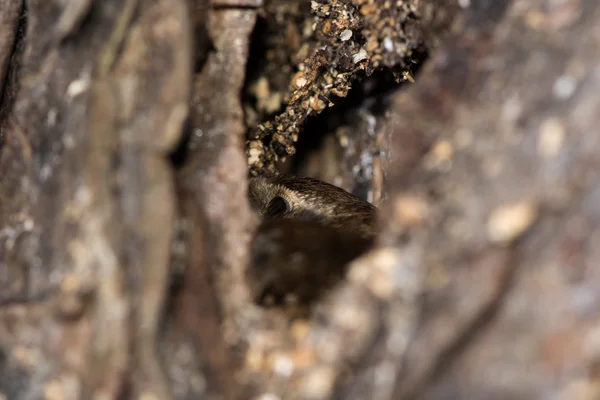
(85, 249)
(509, 105)
(216, 214)
(124, 223)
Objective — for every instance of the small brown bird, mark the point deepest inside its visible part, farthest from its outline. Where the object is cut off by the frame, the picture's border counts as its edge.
(285, 196)
(310, 231)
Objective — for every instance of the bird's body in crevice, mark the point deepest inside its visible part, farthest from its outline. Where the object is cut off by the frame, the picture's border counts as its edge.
(309, 231)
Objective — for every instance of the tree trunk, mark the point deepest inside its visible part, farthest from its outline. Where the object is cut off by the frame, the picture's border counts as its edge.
(128, 130)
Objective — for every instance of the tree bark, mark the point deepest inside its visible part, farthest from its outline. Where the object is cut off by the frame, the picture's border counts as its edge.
(125, 146)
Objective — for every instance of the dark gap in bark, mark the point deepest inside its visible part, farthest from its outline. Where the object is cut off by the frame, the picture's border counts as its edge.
(257, 62)
(256, 57)
(203, 46)
(371, 93)
(179, 155)
(10, 89)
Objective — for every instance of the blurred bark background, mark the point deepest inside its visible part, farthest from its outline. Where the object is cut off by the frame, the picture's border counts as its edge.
(127, 133)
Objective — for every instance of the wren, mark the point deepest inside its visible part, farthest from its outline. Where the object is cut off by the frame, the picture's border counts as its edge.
(310, 231)
(294, 197)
